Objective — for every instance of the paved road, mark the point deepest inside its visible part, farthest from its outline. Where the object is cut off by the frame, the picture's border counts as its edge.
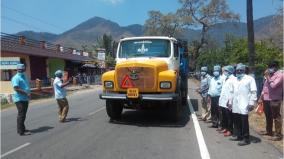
(138, 135)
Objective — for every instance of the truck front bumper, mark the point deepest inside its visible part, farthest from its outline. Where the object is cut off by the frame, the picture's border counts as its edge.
(143, 97)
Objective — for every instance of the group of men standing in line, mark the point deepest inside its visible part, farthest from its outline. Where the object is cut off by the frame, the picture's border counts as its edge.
(23, 92)
(229, 96)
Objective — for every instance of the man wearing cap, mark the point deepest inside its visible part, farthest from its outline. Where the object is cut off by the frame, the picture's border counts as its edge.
(225, 101)
(60, 95)
(214, 94)
(272, 95)
(244, 100)
(203, 91)
(21, 98)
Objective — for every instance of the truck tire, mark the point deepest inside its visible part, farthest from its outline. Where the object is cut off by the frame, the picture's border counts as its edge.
(184, 91)
(114, 109)
(176, 104)
(184, 98)
(175, 107)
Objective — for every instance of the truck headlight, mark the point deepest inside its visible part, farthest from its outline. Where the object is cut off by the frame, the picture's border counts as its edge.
(165, 85)
(108, 84)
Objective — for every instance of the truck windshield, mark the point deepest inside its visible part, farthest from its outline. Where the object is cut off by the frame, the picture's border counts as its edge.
(145, 48)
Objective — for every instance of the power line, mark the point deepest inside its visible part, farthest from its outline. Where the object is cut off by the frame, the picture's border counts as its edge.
(35, 18)
(19, 22)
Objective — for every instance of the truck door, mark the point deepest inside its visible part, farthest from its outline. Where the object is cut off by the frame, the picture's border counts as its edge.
(176, 59)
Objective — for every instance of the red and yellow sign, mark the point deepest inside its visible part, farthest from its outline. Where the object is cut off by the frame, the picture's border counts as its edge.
(127, 82)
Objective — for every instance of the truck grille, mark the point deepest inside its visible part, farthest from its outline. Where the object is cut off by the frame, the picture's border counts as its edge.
(145, 77)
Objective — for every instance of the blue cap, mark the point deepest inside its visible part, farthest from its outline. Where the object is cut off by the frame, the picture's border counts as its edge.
(204, 68)
(230, 69)
(20, 66)
(217, 68)
(241, 66)
(58, 73)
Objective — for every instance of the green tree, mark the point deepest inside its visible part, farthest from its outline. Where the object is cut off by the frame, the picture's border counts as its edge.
(107, 42)
(110, 61)
(236, 51)
(204, 14)
(162, 25)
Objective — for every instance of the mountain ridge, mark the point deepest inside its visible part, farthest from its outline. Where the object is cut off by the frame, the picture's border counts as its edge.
(87, 32)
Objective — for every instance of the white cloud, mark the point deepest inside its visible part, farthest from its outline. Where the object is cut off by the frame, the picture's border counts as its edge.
(113, 1)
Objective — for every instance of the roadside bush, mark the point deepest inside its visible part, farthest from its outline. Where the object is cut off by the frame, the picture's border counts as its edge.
(4, 100)
(236, 52)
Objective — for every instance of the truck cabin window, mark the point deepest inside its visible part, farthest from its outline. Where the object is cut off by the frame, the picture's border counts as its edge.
(145, 48)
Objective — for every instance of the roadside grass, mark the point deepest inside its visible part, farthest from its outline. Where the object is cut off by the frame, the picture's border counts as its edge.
(4, 106)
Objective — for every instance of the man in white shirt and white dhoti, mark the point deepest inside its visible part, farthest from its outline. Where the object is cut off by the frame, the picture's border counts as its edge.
(243, 102)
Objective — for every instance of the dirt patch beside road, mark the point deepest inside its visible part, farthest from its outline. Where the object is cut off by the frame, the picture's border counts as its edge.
(257, 123)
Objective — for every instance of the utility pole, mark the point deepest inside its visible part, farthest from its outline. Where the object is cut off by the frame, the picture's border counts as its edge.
(250, 30)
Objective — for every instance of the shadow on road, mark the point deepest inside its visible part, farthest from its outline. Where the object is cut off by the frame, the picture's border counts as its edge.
(74, 119)
(254, 139)
(41, 129)
(154, 118)
(194, 103)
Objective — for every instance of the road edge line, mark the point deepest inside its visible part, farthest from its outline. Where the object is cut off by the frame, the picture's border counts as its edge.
(200, 139)
(94, 112)
(15, 149)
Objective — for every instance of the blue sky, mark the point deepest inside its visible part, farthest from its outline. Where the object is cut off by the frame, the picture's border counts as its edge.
(57, 16)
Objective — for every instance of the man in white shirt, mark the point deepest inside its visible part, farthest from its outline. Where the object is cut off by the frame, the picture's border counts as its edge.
(244, 100)
(214, 92)
(60, 95)
(225, 101)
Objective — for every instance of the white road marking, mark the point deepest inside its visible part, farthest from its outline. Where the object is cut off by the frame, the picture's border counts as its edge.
(16, 149)
(94, 112)
(201, 142)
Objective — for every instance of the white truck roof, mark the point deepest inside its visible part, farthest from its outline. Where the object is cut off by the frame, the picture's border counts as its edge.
(148, 37)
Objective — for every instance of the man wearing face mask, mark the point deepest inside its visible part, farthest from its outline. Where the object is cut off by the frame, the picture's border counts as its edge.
(272, 94)
(21, 98)
(60, 95)
(225, 101)
(243, 102)
(203, 91)
(214, 94)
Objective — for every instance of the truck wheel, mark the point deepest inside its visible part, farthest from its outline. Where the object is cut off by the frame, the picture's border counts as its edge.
(184, 98)
(176, 107)
(176, 104)
(175, 110)
(114, 109)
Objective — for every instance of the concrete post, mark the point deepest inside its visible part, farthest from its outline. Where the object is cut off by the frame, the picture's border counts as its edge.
(38, 84)
(22, 40)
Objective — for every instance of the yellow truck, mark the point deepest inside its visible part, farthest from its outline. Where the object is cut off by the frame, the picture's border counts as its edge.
(147, 74)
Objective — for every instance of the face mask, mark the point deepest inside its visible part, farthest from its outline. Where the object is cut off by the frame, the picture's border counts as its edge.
(203, 73)
(240, 75)
(271, 70)
(216, 73)
(226, 74)
(21, 73)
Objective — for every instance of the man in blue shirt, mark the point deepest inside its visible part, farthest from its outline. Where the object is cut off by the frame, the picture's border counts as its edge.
(60, 95)
(21, 98)
(214, 92)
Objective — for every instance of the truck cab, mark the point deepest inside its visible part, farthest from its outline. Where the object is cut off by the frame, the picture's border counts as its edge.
(147, 73)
